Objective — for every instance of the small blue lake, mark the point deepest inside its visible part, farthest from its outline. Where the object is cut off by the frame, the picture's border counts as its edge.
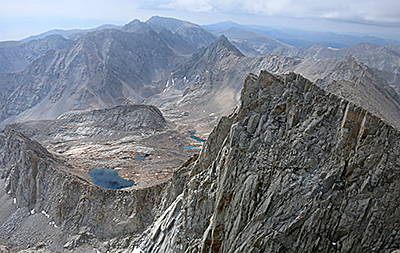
(192, 135)
(189, 147)
(108, 178)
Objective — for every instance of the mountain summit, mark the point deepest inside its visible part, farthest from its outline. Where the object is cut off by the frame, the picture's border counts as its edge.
(220, 49)
(194, 34)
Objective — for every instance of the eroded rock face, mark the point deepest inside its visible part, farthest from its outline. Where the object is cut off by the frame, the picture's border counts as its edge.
(294, 169)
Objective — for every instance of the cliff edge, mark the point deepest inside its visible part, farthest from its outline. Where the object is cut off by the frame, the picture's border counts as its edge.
(294, 169)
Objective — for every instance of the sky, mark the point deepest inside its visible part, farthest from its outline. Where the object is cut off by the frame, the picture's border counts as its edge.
(22, 18)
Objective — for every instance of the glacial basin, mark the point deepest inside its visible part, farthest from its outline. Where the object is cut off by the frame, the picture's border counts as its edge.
(108, 178)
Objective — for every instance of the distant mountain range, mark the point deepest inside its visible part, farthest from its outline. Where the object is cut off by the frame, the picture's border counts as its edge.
(303, 38)
(70, 34)
(173, 64)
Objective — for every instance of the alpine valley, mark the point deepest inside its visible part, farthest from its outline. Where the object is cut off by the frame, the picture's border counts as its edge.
(231, 141)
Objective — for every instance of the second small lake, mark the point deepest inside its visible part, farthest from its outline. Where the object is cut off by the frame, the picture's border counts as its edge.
(140, 157)
(189, 147)
(192, 135)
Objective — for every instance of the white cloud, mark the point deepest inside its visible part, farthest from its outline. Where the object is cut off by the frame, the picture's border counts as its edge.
(369, 10)
(17, 17)
(187, 5)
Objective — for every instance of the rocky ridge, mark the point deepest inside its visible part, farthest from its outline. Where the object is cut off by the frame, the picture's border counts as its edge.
(295, 168)
(110, 67)
(119, 121)
(285, 132)
(358, 83)
(16, 56)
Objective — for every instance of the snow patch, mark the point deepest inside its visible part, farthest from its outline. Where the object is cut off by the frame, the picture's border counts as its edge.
(45, 214)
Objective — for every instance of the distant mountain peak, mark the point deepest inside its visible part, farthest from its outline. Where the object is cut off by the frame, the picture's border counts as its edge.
(349, 64)
(192, 33)
(219, 49)
(171, 24)
(224, 43)
(134, 22)
(224, 25)
(223, 39)
(136, 25)
(318, 46)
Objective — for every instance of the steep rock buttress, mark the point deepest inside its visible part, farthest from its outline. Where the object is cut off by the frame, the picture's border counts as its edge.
(294, 169)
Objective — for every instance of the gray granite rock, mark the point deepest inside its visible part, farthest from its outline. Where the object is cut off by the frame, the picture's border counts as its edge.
(319, 174)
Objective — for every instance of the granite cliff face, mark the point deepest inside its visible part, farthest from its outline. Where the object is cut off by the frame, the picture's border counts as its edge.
(294, 169)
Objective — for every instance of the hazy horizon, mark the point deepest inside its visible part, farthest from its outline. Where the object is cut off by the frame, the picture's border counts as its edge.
(22, 19)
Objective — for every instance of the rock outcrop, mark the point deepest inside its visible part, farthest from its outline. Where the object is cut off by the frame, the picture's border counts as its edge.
(294, 169)
(101, 123)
